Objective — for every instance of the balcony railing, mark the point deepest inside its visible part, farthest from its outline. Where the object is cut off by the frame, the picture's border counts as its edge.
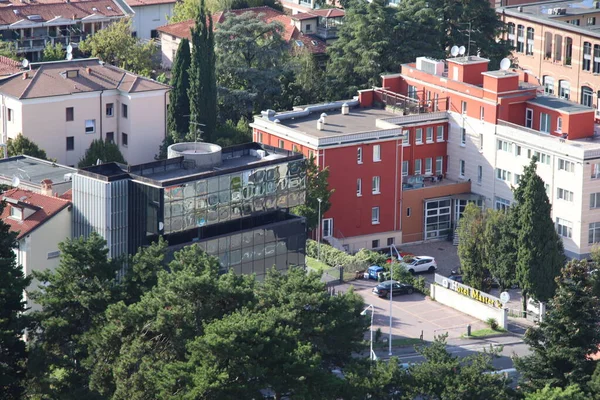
(327, 33)
(36, 43)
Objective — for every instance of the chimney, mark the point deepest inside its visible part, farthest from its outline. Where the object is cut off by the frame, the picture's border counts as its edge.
(25, 76)
(47, 187)
(345, 109)
(320, 124)
(88, 70)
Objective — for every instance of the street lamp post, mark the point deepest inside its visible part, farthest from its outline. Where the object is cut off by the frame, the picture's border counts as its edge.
(372, 356)
(319, 231)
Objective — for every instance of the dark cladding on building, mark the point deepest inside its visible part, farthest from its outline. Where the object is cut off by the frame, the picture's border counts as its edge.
(233, 202)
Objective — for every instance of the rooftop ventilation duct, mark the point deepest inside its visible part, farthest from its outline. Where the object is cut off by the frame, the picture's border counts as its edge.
(345, 109)
(270, 114)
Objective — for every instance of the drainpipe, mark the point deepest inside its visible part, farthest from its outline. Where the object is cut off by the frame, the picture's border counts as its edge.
(166, 111)
(101, 131)
(396, 189)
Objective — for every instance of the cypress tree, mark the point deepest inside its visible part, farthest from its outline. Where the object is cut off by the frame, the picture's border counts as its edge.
(203, 85)
(12, 348)
(178, 122)
(540, 253)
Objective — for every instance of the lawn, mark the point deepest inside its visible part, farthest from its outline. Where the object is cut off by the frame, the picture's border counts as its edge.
(485, 332)
(316, 265)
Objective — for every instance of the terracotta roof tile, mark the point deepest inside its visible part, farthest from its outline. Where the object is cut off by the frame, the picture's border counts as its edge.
(8, 66)
(310, 43)
(47, 10)
(326, 12)
(47, 208)
(50, 79)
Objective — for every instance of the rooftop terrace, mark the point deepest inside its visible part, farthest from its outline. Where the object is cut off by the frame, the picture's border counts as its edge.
(32, 171)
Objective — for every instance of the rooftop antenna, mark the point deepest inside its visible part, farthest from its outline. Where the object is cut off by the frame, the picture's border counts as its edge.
(454, 51)
(505, 64)
(15, 181)
(98, 162)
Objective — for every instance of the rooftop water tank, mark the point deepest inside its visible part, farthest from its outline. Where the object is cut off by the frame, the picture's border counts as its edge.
(204, 155)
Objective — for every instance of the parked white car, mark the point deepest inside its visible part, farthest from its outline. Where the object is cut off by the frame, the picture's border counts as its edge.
(421, 264)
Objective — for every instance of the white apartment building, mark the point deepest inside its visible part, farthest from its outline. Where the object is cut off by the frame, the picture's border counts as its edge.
(149, 15)
(63, 106)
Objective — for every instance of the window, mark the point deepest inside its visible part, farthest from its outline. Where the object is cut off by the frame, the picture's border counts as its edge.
(559, 124)
(595, 171)
(375, 215)
(90, 125)
(479, 174)
(439, 165)
(308, 27)
(564, 165)
(587, 96)
(564, 228)
(563, 194)
(481, 113)
(405, 168)
(547, 187)
(281, 144)
(503, 175)
(390, 241)
(481, 141)
(544, 122)
(541, 157)
(53, 254)
(437, 218)
(517, 179)
(70, 143)
(408, 211)
(564, 89)
(558, 47)
(109, 109)
(530, 37)
(528, 118)
(594, 233)
(375, 185)
(110, 137)
(503, 145)
(311, 154)
(461, 168)
(16, 213)
(568, 50)
(10, 114)
(511, 34)
(376, 153)
(260, 140)
(124, 110)
(501, 204)
(463, 137)
(295, 148)
(587, 56)
(595, 200)
(124, 139)
(359, 187)
(429, 137)
(419, 136)
(418, 170)
(591, 21)
(428, 166)
(412, 92)
(436, 97)
(548, 83)
(406, 138)
(359, 155)
(463, 107)
(440, 134)
(70, 114)
(518, 150)
(574, 22)
(520, 39)
(375, 244)
(596, 59)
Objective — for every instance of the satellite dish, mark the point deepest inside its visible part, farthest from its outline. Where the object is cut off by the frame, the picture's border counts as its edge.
(454, 51)
(69, 49)
(15, 181)
(160, 226)
(25, 63)
(504, 297)
(461, 50)
(69, 56)
(504, 64)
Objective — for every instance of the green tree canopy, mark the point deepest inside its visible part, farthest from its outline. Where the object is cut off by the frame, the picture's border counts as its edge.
(12, 285)
(22, 145)
(566, 337)
(54, 53)
(572, 392)
(317, 188)
(101, 150)
(471, 228)
(115, 45)
(499, 246)
(540, 253)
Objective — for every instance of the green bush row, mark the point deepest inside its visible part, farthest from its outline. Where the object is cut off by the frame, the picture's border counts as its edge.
(329, 255)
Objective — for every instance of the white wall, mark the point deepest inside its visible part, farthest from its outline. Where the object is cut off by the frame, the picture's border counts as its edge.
(168, 47)
(469, 306)
(150, 17)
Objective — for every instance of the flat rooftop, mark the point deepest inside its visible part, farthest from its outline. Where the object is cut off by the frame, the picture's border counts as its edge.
(359, 120)
(31, 171)
(560, 104)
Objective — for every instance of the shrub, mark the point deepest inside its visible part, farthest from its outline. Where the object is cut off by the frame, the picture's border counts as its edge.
(493, 324)
(329, 255)
(371, 257)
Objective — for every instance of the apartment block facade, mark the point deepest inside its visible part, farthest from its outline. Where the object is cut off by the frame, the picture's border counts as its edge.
(63, 106)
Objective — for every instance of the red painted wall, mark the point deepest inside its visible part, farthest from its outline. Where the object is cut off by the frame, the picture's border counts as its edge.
(579, 126)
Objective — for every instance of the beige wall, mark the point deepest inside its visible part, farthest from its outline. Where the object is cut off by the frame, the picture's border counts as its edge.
(356, 243)
(168, 47)
(34, 248)
(44, 122)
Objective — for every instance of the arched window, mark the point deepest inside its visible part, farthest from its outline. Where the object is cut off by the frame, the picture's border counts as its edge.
(530, 37)
(587, 56)
(564, 89)
(587, 96)
(557, 47)
(548, 83)
(511, 34)
(597, 59)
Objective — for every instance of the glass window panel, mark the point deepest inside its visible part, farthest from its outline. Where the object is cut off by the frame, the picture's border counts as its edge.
(201, 218)
(283, 170)
(272, 175)
(202, 202)
(213, 185)
(224, 260)
(236, 181)
(168, 225)
(236, 211)
(257, 176)
(282, 201)
(293, 258)
(224, 181)
(224, 197)
(247, 255)
(259, 267)
(167, 212)
(189, 221)
(270, 203)
(281, 247)
(269, 235)
(235, 257)
(259, 204)
(189, 205)
(259, 190)
(247, 192)
(295, 168)
(282, 264)
(247, 268)
(213, 199)
(271, 187)
(236, 241)
(224, 244)
(189, 190)
(270, 249)
(201, 187)
(202, 246)
(259, 252)
(282, 185)
(224, 214)
(270, 262)
(212, 247)
(236, 196)
(246, 209)
(176, 208)
(213, 215)
(259, 236)
(247, 239)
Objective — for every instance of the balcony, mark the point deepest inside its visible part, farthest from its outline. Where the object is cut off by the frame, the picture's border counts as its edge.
(326, 33)
(412, 182)
(38, 43)
(409, 105)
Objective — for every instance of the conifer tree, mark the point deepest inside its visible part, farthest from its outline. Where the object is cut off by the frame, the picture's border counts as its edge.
(203, 85)
(178, 122)
(12, 348)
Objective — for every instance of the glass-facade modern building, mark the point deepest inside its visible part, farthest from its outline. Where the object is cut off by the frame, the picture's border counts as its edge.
(237, 210)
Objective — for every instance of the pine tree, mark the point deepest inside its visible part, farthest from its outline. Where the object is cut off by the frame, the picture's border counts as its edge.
(178, 122)
(12, 347)
(203, 85)
(540, 253)
(562, 342)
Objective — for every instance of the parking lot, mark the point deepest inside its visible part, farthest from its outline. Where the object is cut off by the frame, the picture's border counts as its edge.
(414, 314)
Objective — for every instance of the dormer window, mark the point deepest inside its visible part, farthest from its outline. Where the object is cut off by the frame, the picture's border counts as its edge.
(74, 73)
(16, 213)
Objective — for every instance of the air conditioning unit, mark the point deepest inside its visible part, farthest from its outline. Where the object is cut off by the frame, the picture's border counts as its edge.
(431, 66)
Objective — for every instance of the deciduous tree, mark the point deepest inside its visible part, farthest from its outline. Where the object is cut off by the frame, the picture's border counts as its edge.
(471, 228)
(54, 53)
(566, 337)
(22, 145)
(572, 392)
(101, 150)
(317, 188)
(499, 243)
(13, 282)
(203, 85)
